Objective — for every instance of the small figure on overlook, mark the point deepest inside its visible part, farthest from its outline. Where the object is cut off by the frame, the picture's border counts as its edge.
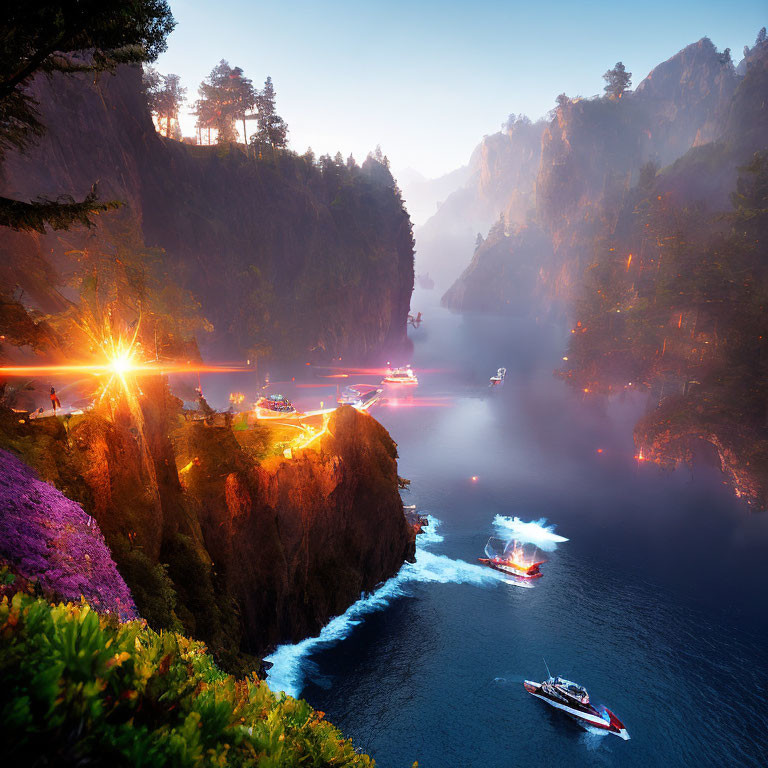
(55, 402)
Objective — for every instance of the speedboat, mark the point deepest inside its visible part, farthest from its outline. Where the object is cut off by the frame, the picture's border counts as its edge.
(573, 699)
(510, 558)
(359, 396)
(274, 406)
(499, 377)
(401, 376)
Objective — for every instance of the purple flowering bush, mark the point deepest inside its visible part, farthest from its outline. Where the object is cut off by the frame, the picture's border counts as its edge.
(50, 539)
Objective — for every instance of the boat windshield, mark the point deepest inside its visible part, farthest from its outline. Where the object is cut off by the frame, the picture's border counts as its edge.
(494, 549)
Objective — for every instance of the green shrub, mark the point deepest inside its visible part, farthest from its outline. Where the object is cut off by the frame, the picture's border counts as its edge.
(79, 687)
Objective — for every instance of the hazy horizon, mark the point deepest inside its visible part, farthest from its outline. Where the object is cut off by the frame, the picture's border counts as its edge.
(428, 81)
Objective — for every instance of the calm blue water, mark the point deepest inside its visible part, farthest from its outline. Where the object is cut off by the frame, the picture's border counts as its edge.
(656, 603)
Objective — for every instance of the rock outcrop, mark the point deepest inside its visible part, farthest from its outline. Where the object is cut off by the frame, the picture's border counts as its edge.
(243, 554)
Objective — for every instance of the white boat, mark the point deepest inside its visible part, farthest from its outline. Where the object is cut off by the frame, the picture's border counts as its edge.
(401, 376)
(359, 396)
(573, 699)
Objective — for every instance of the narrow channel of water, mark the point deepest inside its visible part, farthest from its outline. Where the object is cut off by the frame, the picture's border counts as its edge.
(656, 603)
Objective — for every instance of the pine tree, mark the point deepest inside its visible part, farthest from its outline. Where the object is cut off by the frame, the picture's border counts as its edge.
(221, 101)
(164, 96)
(271, 128)
(618, 80)
(244, 98)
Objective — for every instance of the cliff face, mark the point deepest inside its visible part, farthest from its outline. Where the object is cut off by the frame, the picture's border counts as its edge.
(254, 553)
(297, 541)
(592, 153)
(285, 255)
(501, 180)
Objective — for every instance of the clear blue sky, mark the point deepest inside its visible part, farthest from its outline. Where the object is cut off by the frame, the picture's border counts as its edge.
(427, 80)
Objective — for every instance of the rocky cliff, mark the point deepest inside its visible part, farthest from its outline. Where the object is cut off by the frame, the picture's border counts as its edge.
(500, 179)
(592, 154)
(285, 254)
(242, 553)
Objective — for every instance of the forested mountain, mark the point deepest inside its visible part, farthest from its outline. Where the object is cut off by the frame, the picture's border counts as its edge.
(592, 153)
(281, 254)
(649, 233)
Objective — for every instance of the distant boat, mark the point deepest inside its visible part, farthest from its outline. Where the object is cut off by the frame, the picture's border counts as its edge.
(501, 374)
(401, 376)
(274, 406)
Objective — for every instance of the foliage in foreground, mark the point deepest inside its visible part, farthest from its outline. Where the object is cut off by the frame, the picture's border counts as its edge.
(80, 687)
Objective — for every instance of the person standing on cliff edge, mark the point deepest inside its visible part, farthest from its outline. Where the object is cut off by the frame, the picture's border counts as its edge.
(55, 402)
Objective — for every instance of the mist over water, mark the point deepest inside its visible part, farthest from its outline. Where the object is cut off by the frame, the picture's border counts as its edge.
(654, 602)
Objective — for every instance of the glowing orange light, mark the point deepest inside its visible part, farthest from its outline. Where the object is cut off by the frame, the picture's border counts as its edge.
(474, 478)
(629, 261)
(599, 450)
(517, 557)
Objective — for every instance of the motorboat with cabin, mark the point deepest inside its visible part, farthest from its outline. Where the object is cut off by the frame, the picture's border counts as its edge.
(274, 406)
(360, 396)
(573, 699)
(510, 558)
(501, 374)
(401, 376)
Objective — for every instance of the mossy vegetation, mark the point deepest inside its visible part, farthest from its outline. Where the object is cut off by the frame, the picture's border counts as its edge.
(79, 687)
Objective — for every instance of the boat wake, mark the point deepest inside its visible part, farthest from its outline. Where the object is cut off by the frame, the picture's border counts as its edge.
(536, 532)
(290, 661)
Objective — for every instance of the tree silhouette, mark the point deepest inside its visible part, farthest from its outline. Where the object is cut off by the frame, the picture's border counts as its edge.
(244, 98)
(272, 129)
(66, 36)
(221, 101)
(618, 80)
(164, 96)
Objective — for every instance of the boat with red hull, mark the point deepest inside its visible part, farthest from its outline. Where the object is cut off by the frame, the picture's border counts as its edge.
(510, 558)
(573, 699)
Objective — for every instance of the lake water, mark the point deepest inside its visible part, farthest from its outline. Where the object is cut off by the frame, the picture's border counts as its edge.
(656, 603)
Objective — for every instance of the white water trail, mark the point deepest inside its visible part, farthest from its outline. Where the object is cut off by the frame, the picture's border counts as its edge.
(289, 661)
(536, 532)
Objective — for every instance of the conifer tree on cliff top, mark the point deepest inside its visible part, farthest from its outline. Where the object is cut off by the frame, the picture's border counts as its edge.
(226, 95)
(618, 80)
(245, 97)
(272, 129)
(66, 36)
(164, 96)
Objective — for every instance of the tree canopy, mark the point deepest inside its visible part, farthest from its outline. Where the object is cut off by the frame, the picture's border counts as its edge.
(65, 36)
(272, 129)
(164, 96)
(226, 95)
(617, 80)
